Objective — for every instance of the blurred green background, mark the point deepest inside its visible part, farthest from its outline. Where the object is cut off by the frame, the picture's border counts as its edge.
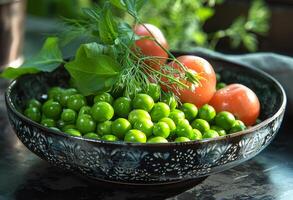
(57, 8)
(182, 21)
(223, 25)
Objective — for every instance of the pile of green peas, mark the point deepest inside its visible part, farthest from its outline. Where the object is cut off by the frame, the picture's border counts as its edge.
(149, 117)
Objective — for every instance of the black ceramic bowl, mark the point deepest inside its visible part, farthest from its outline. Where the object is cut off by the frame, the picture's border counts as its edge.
(132, 163)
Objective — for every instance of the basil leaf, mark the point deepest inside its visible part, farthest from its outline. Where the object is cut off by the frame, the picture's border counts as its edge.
(108, 29)
(48, 59)
(109, 50)
(93, 71)
(13, 73)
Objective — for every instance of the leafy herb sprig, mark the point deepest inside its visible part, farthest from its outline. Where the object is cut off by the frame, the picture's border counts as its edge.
(111, 60)
(243, 31)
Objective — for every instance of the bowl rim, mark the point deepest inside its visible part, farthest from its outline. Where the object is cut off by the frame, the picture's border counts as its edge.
(171, 144)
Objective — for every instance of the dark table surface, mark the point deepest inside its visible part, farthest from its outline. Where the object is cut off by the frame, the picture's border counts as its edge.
(24, 176)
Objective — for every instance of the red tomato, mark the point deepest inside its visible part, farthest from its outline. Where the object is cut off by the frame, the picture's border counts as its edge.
(203, 93)
(149, 47)
(239, 100)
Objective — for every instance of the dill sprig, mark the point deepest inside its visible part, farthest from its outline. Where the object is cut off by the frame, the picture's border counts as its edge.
(120, 45)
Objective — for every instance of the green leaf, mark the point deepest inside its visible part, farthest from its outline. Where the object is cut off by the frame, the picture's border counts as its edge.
(48, 59)
(98, 49)
(131, 6)
(250, 42)
(238, 24)
(200, 37)
(13, 73)
(108, 28)
(93, 71)
(258, 17)
(204, 13)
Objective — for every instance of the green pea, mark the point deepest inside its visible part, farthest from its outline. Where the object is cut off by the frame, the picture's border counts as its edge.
(135, 136)
(201, 125)
(66, 94)
(220, 85)
(144, 125)
(76, 101)
(85, 124)
(122, 106)
(68, 116)
(103, 97)
(240, 123)
(170, 123)
(54, 93)
(237, 126)
(190, 111)
(225, 120)
(71, 91)
(157, 139)
(84, 110)
(120, 127)
(210, 134)
(197, 135)
(52, 109)
(102, 111)
(176, 116)
(143, 101)
(104, 128)
(68, 126)
(91, 136)
(161, 129)
(183, 129)
(109, 138)
(207, 112)
(138, 114)
(220, 131)
(73, 132)
(34, 103)
(184, 121)
(182, 139)
(159, 111)
(48, 122)
(154, 90)
(33, 113)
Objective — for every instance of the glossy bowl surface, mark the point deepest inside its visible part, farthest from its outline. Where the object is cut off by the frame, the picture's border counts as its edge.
(130, 163)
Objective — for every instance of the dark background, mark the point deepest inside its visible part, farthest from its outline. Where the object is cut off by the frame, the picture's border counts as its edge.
(279, 38)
